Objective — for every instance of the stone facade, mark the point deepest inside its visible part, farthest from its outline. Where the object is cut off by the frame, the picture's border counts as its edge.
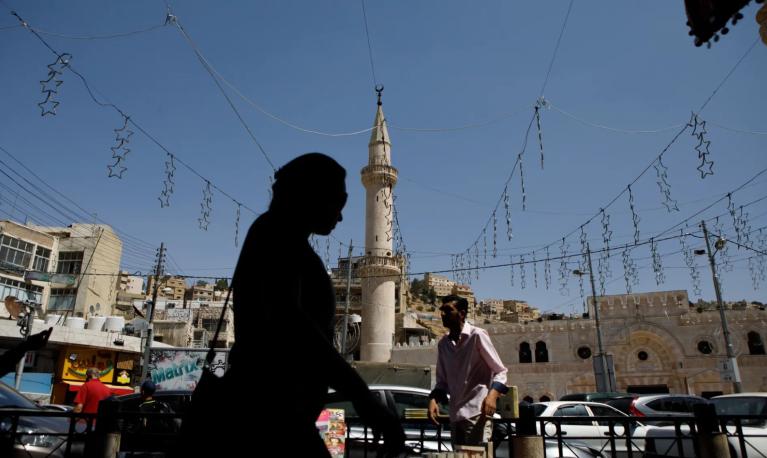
(657, 340)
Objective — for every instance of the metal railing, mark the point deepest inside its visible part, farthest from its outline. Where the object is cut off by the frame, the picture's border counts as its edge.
(611, 436)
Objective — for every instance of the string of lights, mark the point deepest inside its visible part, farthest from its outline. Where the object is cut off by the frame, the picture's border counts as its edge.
(209, 185)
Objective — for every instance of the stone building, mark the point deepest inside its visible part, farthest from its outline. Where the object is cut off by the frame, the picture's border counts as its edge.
(442, 285)
(659, 342)
(90, 254)
(177, 287)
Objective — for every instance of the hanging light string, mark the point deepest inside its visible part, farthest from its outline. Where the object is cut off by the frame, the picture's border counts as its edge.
(212, 74)
(209, 184)
(664, 150)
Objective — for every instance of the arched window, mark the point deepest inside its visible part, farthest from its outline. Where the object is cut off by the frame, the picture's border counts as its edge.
(755, 343)
(541, 353)
(525, 355)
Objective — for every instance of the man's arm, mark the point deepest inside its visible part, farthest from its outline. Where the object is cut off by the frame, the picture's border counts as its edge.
(498, 386)
(439, 393)
(10, 358)
(82, 393)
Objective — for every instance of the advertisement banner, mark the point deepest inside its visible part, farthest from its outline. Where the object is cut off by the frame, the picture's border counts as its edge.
(78, 360)
(181, 368)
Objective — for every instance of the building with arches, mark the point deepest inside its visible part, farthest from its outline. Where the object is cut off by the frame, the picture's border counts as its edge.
(659, 342)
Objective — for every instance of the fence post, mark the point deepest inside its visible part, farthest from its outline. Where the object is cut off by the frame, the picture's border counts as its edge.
(709, 441)
(106, 444)
(527, 443)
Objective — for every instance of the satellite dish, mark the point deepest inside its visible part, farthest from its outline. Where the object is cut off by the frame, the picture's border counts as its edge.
(12, 306)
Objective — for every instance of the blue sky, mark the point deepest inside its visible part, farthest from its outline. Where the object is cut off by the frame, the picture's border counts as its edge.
(624, 66)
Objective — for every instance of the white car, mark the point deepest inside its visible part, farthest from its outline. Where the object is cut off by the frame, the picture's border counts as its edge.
(594, 433)
(663, 441)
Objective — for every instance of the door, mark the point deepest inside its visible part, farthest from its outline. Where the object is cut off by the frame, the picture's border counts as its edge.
(581, 429)
(619, 431)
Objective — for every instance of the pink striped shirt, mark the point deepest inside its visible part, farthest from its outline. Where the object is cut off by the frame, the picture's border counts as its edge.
(467, 370)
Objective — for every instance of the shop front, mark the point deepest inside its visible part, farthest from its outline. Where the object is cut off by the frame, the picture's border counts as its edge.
(117, 370)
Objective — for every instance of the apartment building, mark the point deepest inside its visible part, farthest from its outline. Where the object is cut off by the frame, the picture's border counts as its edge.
(24, 250)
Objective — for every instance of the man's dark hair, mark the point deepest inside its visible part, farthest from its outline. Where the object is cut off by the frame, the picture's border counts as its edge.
(148, 388)
(305, 175)
(460, 302)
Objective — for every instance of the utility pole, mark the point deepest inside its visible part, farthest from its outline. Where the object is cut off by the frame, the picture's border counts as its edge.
(736, 382)
(150, 311)
(602, 377)
(348, 301)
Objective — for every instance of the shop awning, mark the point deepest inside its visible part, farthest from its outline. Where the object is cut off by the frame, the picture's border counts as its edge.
(117, 390)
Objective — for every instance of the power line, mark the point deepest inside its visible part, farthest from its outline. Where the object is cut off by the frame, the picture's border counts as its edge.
(101, 37)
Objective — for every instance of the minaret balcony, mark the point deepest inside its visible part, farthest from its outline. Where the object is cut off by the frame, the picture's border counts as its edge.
(379, 265)
(379, 174)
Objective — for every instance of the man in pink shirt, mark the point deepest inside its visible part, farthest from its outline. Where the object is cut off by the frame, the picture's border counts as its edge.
(91, 393)
(470, 371)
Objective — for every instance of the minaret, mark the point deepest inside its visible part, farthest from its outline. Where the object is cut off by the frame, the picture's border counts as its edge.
(378, 269)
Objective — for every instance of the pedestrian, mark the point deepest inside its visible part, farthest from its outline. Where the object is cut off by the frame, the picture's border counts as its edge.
(91, 393)
(283, 360)
(470, 371)
(154, 424)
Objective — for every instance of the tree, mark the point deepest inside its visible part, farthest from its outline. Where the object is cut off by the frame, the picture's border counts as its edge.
(221, 284)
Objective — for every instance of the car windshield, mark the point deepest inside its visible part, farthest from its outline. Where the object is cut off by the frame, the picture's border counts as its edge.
(11, 398)
(741, 405)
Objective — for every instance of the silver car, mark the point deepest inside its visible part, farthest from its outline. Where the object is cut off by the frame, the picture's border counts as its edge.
(665, 405)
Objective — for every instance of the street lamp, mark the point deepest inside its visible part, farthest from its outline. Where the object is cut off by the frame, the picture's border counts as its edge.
(718, 245)
(603, 366)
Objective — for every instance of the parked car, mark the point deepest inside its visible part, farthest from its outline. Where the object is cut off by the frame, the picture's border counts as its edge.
(664, 405)
(594, 433)
(596, 396)
(36, 436)
(408, 403)
(663, 441)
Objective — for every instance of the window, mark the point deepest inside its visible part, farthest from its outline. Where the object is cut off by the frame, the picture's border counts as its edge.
(15, 253)
(70, 262)
(42, 259)
(541, 353)
(755, 343)
(584, 352)
(62, 299)
(577, 410)
(544, 398)
(642, 355)
(20, 290)
(601, 411)
(525, 355)
(705, 347)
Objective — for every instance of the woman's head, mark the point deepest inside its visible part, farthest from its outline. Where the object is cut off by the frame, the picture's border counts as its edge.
(312, 189)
